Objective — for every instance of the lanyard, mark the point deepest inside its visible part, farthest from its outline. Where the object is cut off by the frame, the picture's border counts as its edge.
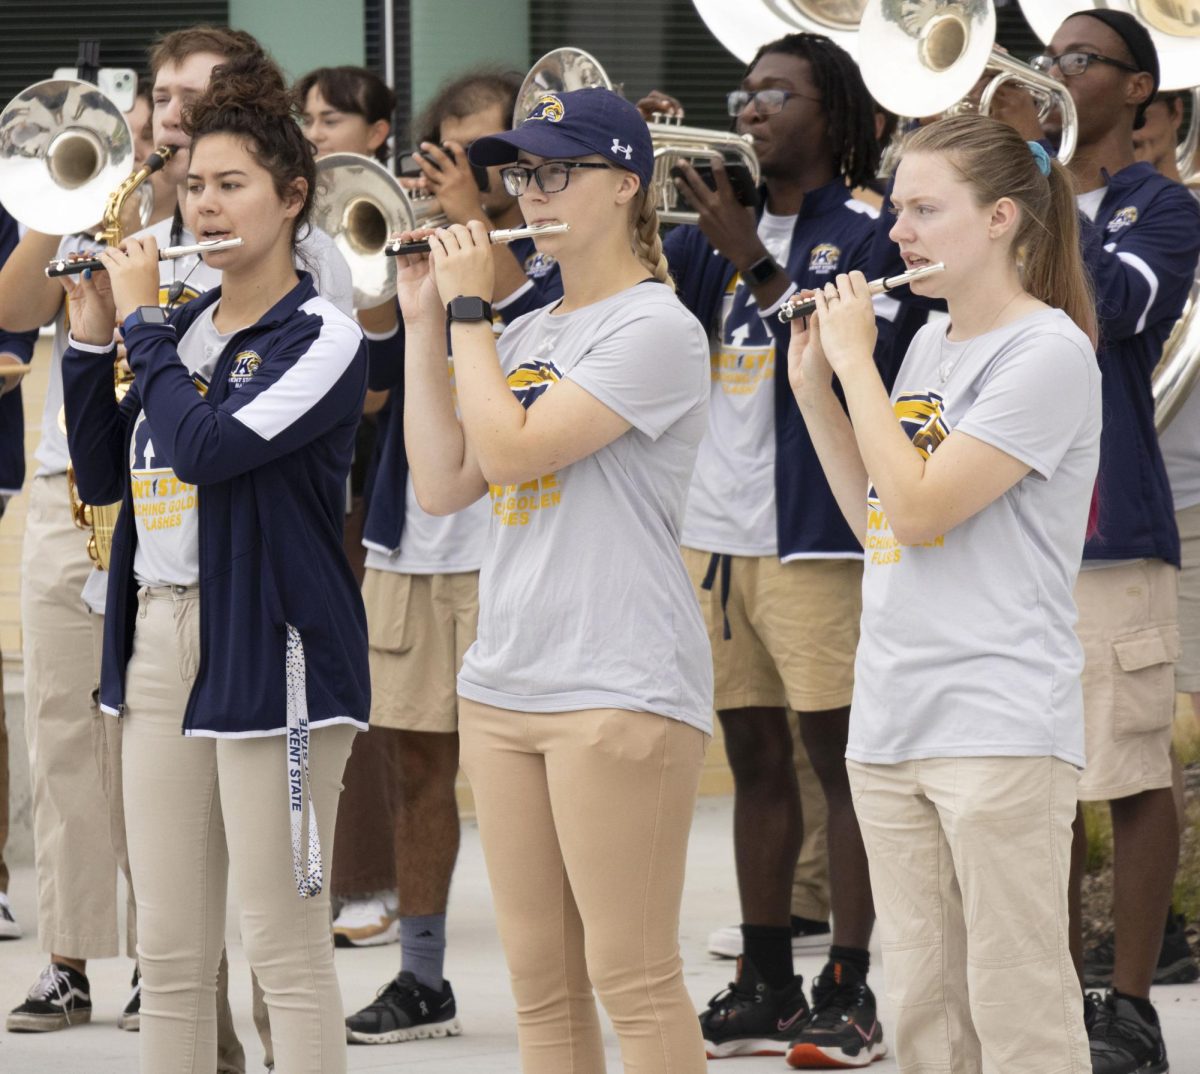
(309, 874)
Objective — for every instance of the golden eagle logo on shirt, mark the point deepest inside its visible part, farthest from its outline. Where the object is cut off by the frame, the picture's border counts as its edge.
(530, 380)
(920, 416)
(245, 365)
(824, 259)
(1122, 218)
(548, 107)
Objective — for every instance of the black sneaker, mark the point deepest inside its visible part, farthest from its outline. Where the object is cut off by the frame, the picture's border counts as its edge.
(751, 1018)
(59, 998)
(1175, 962)
(405, 1009)
(9, 929)
(1123, 1042)
(131, 1017)
(843, 1030)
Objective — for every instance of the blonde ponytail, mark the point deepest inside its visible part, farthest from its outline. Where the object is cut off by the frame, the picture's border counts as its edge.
(647, 242)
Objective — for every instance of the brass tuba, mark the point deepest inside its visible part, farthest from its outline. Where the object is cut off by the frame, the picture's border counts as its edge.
(360, 204)
(66, 153)
(567, 69)
(744, 28)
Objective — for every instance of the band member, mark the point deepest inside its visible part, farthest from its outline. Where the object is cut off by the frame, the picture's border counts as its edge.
(422, 584)
(78, 830)
(16, 349)
(1141, 239)
(777, 570)
(231, 451)
(349, 110)
(966, 732)
(585, 700)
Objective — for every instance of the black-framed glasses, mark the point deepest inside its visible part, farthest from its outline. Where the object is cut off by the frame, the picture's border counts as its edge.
(766, 102)
(551, 177)
(1076, 62)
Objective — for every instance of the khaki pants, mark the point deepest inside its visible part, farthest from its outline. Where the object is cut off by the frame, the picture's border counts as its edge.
(584, 820)
(179, 792)
(969, 861)
(74, 858)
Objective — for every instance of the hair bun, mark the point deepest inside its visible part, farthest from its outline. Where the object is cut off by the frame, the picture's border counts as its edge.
(248, 83)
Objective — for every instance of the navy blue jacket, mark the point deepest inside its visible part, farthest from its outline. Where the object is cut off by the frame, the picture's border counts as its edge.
(270, 445)
(833, 235)
(389, 477)
(12, 416)
(1141, 253)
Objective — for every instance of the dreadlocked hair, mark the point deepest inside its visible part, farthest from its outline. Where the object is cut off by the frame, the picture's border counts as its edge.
(647, 240)
(849, 109)
(249, 98)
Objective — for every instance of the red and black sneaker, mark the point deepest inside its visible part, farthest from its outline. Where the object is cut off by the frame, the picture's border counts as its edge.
(843, 1031)
(751, 1018)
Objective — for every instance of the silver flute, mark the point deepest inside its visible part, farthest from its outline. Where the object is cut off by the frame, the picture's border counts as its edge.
(397, 248)
(802, 307)
(62, 267)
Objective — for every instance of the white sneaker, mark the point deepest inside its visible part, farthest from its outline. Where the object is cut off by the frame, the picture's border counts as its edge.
(368, 922)
(727, 942)
(9, 929)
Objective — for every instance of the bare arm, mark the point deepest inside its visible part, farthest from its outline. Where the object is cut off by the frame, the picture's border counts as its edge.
(28, 299)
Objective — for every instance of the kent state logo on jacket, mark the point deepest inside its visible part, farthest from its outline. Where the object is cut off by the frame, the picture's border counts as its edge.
(538, 265)
(548, 107)
(921, 416)
(1122, 218)
(245, 365)
(824, 260)
(518, 505)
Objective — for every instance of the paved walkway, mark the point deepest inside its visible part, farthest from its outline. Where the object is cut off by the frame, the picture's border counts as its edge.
(476, 968)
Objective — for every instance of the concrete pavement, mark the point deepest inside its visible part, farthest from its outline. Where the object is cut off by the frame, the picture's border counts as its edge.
(475, 966)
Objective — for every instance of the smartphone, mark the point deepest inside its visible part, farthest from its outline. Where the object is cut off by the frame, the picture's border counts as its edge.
(739, 178)
(408, 168)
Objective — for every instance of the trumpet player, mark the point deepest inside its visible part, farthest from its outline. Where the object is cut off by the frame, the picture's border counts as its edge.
(777, 571)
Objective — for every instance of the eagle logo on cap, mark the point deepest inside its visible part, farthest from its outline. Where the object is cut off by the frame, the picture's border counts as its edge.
(548, 107)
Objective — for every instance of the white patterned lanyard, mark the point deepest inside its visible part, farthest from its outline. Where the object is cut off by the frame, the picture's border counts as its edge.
(309, 875)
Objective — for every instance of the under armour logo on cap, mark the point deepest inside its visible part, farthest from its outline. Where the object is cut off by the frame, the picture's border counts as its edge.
(617, 147)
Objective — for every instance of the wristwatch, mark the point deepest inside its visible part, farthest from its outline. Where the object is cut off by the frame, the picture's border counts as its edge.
(145, 315)
(468, 308)
(762, 271)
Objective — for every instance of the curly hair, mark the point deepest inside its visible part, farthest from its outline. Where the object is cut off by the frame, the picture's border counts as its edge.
(249, 98)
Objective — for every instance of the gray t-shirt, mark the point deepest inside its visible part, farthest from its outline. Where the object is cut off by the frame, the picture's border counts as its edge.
(584, 601)
(968, 646)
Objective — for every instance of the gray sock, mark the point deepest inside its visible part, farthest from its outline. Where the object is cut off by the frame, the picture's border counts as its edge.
(423, 948)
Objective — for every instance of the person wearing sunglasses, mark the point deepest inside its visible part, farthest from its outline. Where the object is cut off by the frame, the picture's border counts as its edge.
(777, 570)
(586, 700)
(1141, 240)
(421, 590)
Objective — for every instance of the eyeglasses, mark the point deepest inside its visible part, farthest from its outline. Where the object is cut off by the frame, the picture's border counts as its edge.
(766, 102)
(1076, 62)
(551, 177)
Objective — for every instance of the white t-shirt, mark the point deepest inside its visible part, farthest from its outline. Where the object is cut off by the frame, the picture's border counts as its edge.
(731, 503)
(165, 508)
(435, 544)
(1089, 203)
(968, 646)
(584, 601)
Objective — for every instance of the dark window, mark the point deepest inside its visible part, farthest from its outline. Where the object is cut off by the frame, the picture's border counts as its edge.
(40, 35)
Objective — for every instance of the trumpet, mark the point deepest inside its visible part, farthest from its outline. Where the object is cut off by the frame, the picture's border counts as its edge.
(802, 307)
(64, 267)
(501, 236)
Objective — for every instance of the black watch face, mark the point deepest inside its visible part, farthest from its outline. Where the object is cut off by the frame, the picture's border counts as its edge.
(151, 315)
(466, 308)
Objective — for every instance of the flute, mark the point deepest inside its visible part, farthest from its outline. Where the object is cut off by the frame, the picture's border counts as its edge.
(62, 267)
(803, 307)
(398, 248)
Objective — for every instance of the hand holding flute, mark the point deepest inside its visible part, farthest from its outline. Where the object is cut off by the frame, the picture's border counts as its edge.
(101, 299)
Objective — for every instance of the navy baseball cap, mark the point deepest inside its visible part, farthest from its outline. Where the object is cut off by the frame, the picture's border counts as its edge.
(575, 124)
